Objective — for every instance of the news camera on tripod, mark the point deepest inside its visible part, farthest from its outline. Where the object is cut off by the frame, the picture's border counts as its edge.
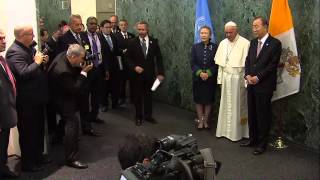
(175, 157)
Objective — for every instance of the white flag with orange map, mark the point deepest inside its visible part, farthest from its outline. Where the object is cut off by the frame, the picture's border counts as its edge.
(281, 27)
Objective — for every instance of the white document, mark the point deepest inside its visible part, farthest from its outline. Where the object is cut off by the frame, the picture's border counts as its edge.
(120, 63)
(155, 84)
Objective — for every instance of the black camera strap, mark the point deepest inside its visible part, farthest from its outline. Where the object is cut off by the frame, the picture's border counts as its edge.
(209, 164)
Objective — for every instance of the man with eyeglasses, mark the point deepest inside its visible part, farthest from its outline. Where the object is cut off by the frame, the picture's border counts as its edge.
(110, 47)
(32, 95)
(9, 118)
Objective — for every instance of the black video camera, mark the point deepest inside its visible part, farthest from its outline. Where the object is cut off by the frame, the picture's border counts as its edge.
(91, 57)
(177, 158)
(46, 49)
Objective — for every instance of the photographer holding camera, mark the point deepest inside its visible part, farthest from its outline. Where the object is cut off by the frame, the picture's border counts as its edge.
(67, 81)
(174, 157)
(27, 65)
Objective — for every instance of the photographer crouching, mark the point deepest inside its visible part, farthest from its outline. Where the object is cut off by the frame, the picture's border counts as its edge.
(174, 157)
(68, 74)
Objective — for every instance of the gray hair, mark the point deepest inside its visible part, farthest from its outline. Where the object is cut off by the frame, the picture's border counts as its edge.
(144, 23)
(75, 50)
(74, 16)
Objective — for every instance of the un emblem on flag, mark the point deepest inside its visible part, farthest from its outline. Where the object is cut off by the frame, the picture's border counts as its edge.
(200, 21)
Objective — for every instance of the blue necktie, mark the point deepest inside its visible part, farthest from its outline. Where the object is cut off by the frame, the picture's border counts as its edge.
(95, 51)
(109, 42)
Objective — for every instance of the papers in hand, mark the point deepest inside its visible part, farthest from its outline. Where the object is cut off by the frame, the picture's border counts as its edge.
(155, 84)
(120, 63)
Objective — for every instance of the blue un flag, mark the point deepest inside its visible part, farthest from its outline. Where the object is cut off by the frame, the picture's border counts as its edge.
(202, 18)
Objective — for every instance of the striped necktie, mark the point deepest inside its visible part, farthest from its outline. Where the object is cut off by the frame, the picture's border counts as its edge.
(10, 75)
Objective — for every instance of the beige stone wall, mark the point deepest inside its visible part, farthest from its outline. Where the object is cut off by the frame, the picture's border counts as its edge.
(105, 8)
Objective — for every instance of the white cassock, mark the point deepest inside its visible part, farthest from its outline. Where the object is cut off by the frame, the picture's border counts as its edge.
(232, 119)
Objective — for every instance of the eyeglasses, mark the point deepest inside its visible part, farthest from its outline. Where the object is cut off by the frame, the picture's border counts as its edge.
(29, 34)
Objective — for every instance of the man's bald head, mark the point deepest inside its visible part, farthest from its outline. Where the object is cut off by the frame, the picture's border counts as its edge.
(20, 30)
(24, 34)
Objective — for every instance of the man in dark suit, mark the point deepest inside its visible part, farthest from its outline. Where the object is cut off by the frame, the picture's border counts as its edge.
(110, 48)
(8, 117)
(114, 23)
(74, 36)
(99, 72)
(261, 76)
(67, 83)
(32, 95)
(144, 57)
(123, 38)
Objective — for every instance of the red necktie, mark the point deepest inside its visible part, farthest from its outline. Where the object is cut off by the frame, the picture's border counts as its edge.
(10, 75)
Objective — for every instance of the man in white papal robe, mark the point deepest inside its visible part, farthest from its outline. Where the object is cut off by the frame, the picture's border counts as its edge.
(231, 56)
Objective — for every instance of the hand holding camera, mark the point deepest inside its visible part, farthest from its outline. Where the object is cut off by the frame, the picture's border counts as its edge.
(45, 59)
(39, 58)
(86, 67)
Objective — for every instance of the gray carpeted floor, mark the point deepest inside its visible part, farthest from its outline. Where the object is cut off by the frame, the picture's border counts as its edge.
(237, 163)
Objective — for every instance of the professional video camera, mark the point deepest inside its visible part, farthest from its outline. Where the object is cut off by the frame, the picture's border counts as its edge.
(90, 56)
(46, 50)
(176, 158)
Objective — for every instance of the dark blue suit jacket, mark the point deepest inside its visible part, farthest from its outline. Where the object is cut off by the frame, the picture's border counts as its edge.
(152, 64)
(265, 65)
(203, 59)
(66, 82)
(31, 78)
(8, 115)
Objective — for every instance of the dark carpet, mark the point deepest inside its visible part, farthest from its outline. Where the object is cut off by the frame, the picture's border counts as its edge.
(238, 163)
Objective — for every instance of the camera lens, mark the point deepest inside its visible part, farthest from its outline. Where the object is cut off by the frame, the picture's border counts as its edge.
(166, 143)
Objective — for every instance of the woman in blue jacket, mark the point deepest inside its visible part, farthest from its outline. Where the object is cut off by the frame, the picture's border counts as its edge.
(204, 72)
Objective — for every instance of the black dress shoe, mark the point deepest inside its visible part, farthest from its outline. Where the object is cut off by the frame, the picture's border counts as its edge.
(104, 109)
(248, 144)
(7, 173)
(259, 151)
(45, 159)
(33, 168)
(138, 122)
(77, 164)
(151, 120)
(92, 133)
(56, 139)
(122, 101)
(115, 106)
(98, 121)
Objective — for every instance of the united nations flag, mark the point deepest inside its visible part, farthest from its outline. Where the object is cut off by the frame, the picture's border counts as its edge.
(202, 18)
